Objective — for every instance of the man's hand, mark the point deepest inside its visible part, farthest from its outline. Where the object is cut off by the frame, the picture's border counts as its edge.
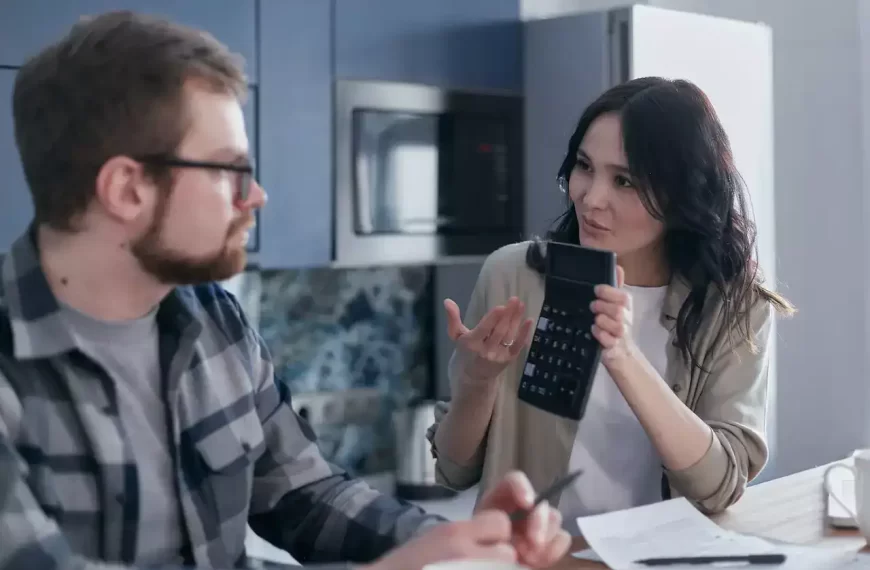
(486, 536)
(538, 539)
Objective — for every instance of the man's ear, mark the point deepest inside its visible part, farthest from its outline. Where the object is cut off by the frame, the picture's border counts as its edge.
(122, 189)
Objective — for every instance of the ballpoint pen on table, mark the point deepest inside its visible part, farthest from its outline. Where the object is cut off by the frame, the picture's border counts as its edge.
(745, 558)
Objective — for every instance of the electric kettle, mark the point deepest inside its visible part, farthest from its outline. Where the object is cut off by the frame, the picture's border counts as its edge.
(415, 465)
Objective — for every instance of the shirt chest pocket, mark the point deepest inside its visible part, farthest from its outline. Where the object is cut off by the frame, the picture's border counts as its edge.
(226, 461)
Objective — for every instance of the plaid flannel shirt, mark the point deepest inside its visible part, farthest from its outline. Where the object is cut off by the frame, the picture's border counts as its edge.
(69, 495)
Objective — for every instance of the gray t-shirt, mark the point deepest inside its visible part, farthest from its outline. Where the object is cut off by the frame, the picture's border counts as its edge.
(129, 352)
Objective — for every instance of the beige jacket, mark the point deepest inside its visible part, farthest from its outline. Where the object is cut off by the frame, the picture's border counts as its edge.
(731, 397)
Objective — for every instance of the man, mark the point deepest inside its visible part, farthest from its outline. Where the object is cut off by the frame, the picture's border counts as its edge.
(140, 425)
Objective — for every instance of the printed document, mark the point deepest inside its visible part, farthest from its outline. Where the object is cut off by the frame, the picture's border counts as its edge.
(675, 528)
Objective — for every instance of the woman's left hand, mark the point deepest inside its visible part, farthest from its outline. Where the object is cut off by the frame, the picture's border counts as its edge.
(613, 318)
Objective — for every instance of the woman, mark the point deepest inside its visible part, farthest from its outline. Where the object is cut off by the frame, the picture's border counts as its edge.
(678, 403)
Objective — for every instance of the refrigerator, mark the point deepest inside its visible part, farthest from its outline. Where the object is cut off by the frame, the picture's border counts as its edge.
(570, 60)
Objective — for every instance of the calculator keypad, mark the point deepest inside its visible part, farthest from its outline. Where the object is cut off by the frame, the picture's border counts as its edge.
(563, 355)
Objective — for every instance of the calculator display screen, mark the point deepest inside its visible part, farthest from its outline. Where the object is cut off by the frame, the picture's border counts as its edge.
(581, 264)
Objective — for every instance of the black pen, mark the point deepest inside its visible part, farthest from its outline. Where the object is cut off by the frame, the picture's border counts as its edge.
(746, 559)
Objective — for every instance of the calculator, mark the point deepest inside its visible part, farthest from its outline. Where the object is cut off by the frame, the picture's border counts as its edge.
(563, 356)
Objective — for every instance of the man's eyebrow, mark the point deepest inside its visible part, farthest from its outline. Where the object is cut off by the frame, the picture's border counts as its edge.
(231, 154)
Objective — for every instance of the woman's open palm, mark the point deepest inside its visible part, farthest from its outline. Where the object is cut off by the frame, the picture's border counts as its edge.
(485, 351)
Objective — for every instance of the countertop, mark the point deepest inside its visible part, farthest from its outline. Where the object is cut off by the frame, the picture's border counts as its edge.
(456, 508)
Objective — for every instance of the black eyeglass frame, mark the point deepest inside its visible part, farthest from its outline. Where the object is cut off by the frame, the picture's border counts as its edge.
(247, 171)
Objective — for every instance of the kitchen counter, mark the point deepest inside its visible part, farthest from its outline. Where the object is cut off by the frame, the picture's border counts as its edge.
(456, 508)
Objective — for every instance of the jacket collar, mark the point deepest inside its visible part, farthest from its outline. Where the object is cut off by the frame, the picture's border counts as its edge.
(677, 293)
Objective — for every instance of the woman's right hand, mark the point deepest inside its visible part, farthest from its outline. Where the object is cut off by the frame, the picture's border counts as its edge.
(485, 351)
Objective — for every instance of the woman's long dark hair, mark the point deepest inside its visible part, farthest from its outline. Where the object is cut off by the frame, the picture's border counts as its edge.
(682, 166)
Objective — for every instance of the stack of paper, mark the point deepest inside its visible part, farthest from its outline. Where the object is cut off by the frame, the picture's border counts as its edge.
(674, 529)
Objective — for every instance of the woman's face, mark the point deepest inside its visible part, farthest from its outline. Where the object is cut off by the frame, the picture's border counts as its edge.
(609, 210)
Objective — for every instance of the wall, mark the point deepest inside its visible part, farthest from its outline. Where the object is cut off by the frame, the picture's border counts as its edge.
(863, 22)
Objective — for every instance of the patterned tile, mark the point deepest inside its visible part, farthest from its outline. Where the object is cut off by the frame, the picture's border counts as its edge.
(334, 329)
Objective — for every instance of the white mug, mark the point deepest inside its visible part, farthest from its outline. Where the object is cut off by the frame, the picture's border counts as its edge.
(861, 471)
(473, 565)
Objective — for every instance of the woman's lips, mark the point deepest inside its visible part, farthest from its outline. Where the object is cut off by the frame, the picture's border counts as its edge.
(598, 228)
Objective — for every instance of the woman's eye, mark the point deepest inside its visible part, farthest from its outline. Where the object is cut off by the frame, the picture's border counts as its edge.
(623, 182)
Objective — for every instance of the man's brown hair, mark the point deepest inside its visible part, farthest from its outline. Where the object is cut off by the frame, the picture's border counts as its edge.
(112, 86)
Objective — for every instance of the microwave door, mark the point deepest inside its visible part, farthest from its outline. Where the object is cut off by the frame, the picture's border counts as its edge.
(397, 173)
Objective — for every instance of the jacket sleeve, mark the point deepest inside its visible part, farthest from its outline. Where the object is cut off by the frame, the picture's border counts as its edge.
(733, 403)
(490, 289)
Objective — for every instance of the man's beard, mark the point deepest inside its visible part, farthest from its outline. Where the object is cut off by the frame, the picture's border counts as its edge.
(174, 268)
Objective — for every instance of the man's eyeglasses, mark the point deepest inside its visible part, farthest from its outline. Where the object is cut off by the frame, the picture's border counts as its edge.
(245, 172)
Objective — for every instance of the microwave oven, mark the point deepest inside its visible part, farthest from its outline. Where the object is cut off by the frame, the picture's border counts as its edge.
(425, 174)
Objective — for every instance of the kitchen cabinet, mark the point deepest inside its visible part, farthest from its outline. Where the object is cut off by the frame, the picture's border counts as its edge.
(28, 26)
(295, 133)
(472, 44)
(15, 205)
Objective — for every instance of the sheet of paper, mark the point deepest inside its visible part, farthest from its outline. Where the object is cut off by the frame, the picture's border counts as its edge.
(587, 554)
(675, 528)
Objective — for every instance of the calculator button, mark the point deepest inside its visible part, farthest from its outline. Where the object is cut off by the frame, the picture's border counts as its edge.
(543, 322)
(530, 370)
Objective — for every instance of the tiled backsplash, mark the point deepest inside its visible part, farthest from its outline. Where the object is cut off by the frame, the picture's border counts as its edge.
(334, 329)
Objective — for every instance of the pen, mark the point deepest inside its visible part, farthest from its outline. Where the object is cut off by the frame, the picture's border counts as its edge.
(547, 494)
(746, 559)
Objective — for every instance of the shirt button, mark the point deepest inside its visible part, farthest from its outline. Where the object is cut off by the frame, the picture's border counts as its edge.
(677, 388)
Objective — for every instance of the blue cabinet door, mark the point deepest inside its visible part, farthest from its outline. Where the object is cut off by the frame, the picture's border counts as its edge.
(16, 209)
(295, 133)
(28, 26)
(473, 44)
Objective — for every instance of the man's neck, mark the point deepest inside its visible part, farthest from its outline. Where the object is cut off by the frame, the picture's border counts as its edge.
(97, 275)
